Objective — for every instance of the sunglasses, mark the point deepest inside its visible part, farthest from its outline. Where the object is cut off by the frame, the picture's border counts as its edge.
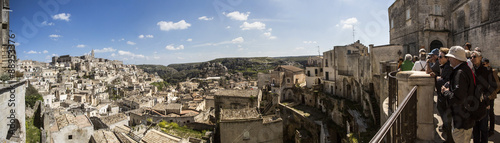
(474, 56)
(440, 57)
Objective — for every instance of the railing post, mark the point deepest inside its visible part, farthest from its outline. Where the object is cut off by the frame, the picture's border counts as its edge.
(424, 101)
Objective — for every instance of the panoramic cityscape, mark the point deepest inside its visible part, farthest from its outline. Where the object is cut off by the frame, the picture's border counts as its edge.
(340, 71)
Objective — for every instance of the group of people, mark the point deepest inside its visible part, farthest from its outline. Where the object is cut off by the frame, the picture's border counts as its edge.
(466, 86)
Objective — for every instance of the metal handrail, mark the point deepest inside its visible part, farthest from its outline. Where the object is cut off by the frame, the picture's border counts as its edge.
(388, 124)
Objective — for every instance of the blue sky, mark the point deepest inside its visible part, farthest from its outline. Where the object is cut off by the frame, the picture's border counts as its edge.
(167, 31)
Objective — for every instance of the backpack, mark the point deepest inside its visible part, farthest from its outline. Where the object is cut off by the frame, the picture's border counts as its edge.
(477, 103)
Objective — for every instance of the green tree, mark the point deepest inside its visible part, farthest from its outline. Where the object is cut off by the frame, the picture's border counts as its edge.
(32, 95)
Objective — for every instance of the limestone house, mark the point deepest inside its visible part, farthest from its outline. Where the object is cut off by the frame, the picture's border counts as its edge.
(247, 125)
(70, 128)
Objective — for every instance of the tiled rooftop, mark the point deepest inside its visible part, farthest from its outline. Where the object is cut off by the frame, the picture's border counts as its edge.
(154, 136)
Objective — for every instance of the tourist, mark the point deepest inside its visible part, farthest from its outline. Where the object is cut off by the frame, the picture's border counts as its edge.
(442, 102)
(407, 64)
(433, 62)
(460, 87)
(486, 88)
(467, 46)
(400, 61)
(468, 54)
(420, 65)
(492, 97)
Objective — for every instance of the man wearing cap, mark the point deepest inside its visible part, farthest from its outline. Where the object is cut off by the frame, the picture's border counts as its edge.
(433, 69)
(460, 87)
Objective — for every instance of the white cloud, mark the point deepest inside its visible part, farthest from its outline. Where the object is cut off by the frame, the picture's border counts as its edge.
(113, 55)
(45, 23)
(269, 36)
(112, 40)
(205, 18)
(61, 16)
(45, 51)
(236, 15)
(233, 41)
(17, 44)
(348, 23)
(238, 40)
(80, 46)
(166, 26)
(32, 52)
(254, 25)
(299, 48)
(189, 40)
(309, 42)
(228, 27)
(123, 39)
(172, 47)
(54, 36)
(130, 43)
(104, 50)
(130, 54)
(145, 36)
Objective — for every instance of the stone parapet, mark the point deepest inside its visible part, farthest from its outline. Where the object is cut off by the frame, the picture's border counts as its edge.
(424, 104)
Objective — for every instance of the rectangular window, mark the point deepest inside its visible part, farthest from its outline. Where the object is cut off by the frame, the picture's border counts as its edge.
(70, 137)
(392, 23)
(437, 9)
(408, 16)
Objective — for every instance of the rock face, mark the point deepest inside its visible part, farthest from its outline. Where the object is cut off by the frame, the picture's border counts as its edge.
(212, 69)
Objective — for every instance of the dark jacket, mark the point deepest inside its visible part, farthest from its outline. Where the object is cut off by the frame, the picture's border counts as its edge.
(485, 82)
(445, 74)
(460, 88)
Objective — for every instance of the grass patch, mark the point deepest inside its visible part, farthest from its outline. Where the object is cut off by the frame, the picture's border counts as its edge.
(32, 132)
(183, 132)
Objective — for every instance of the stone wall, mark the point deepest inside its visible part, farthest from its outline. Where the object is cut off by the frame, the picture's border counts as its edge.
(248, 131)
(12, 113)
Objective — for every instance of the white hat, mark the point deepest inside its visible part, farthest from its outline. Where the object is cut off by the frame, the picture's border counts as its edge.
(457, 52)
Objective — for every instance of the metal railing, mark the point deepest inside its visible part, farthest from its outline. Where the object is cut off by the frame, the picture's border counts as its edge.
(345, 72)
(402, 124)
(393, 91)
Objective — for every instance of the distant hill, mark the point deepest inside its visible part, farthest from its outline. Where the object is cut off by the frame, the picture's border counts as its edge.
(175, 73)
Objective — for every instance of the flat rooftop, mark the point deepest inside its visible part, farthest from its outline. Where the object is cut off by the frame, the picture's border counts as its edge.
(237, 93)
(239, 114)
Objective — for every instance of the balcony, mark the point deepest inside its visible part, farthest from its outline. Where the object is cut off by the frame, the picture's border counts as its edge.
(345, 72)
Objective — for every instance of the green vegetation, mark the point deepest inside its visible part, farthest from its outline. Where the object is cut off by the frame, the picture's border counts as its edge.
(175, 73)
(5, 77)
(33, 133)
(184, 132)
(160, 85)
(31, 96)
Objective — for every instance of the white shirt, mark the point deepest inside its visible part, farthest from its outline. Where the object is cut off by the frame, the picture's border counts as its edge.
(419, 65)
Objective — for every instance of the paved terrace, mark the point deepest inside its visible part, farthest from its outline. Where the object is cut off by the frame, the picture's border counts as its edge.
(493, 139)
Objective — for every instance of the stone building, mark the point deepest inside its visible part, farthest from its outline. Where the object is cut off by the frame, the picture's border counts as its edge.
(433, 24)
(65, 127)
(314, 71)
(247, 125)
(5, 37)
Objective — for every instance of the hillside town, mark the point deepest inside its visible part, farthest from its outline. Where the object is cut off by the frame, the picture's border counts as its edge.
(350, 93)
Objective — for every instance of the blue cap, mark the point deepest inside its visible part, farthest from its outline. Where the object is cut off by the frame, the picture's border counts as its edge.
(434, 52)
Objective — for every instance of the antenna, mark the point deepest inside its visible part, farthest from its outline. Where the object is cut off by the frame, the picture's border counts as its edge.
(318, 52)
(353, 37)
